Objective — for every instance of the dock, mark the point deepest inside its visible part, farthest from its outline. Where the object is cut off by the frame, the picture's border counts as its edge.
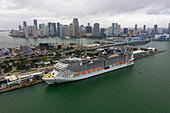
(20, 86)
(148, 54)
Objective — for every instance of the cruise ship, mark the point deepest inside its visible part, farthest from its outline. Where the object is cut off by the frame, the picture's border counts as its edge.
(74, 69)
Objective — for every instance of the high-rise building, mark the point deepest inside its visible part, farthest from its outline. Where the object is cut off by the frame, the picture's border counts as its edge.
(76, 27)
(155, 30)
(119, 29)
(61, 31)
(113, 28)
(34, 31)
(24, 24)
(96, 29)
(55, 29)
(26, 32)
(41, 33)
(144, 28)
(169, 29)
(136, 27)
(102, 32)
(20, 28)
(58, 29)
(43, 27)
(49, 25)
(47, 31)
(82, 32)
(88, 29)
(81, 27)
(52, 31)
(125, 31)
(116, 30)
(39, 26)
(64, 28)
(35, 23)
(70, 30)
(30, 29)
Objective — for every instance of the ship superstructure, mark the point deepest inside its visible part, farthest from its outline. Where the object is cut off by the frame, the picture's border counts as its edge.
(73, 69)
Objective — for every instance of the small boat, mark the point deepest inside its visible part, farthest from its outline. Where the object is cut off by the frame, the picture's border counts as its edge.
(67, 37)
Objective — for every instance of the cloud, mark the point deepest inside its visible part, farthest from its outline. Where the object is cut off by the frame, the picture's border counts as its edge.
(13, 12)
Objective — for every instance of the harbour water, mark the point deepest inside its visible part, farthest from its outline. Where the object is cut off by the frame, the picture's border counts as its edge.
(9, 42)
(142, 88)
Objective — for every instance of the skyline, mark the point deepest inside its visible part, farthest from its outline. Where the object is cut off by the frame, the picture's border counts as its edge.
(138, 12)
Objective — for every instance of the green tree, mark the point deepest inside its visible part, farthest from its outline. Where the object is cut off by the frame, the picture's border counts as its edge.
(21, 67)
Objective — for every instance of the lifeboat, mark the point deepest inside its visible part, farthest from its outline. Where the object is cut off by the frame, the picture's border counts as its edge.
(94, 69)
(98, 68)
(124, 61)
(78, 74)
(120, 62)
(84, 72)
(116, 64)
(88, 71)
(127, 61)
(102, 67)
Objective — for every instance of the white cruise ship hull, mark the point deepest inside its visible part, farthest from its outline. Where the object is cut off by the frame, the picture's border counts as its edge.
(81, 77)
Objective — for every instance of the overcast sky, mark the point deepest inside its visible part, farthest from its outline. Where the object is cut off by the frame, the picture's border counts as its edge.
(125, 12)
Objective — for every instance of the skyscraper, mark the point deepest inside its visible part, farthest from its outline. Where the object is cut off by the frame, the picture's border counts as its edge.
(24, 24)
(64, 28)
(26, 32)
(30, 29)
(41, 33)
(47, 31)
(70, 30)
(61, 31)
(119, 29)
(35, 23)
(43, 27)
(88, 29)
(144, 28)
(34, 31)
(76, 27)
(116, 31)
(102, 32)
(55, 29)
(81, 27)
(20, 28)
(113, 28)
(52, 31)
(169, 29)
(49, 25)
(96, 29)
(136, 27)
(155, 30)
(125, 31)
(58, 29)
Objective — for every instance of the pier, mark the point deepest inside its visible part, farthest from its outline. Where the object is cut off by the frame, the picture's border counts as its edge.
(148, 54)
(21, 86)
